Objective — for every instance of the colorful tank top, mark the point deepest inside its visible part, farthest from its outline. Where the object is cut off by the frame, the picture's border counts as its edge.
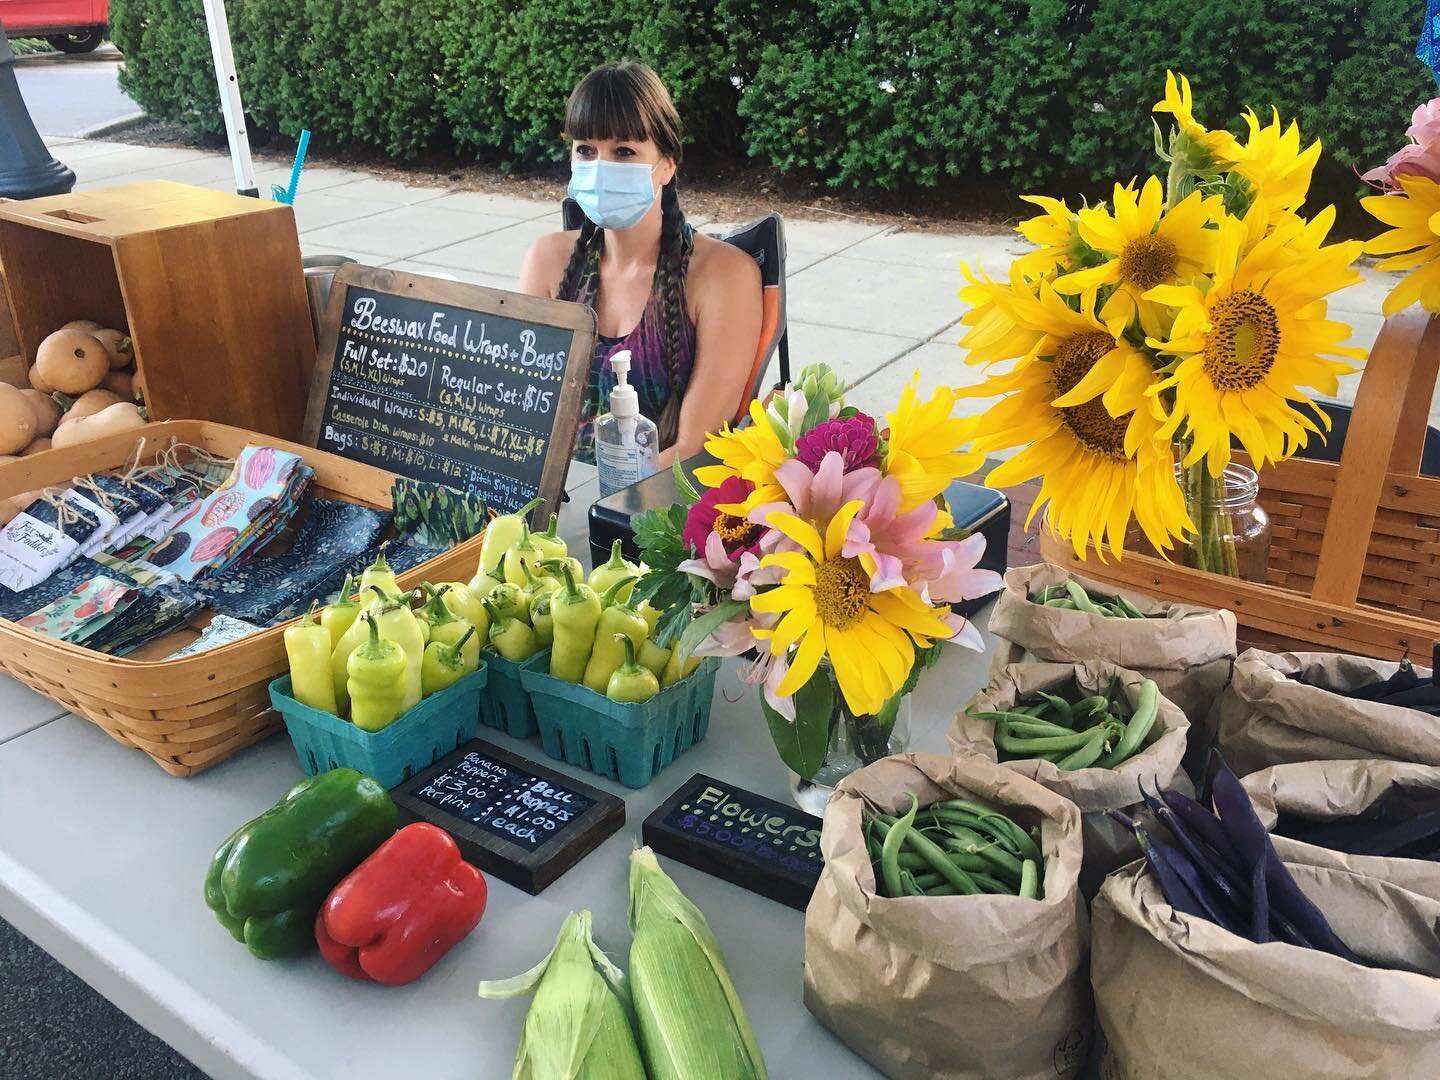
(647, 360)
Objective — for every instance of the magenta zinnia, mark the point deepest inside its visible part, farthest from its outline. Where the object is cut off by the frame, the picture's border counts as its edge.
(853, 438)
(706, 517)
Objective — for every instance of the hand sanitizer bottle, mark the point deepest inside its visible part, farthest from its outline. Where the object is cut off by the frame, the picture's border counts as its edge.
(627, 444)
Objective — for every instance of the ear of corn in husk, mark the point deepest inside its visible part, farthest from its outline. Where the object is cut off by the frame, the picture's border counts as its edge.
(690, 1018)
(578, 1026)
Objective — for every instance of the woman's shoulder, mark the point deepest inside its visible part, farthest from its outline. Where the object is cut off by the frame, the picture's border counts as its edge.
(545, 262)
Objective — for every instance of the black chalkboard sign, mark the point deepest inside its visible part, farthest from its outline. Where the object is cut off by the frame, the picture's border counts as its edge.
(512, 817)
(475, 388)
(749, 840)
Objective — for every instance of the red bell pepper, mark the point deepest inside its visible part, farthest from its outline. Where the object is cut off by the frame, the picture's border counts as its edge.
(401, 909)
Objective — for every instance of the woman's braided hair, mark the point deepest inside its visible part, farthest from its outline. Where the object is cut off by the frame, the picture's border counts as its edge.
(628, 101)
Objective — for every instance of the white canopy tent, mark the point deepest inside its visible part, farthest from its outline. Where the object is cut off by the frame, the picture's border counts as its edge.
(218, 26)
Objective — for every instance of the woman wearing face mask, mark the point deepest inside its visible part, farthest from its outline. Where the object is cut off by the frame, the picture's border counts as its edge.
(686, 306)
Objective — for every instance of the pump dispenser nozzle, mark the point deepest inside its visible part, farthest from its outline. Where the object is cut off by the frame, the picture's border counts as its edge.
(624, 402)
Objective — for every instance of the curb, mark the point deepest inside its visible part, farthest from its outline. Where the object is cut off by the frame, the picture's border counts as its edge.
(99, 130)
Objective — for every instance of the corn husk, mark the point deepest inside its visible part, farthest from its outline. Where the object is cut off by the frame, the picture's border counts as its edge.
(578, 1026)
(690, 1018)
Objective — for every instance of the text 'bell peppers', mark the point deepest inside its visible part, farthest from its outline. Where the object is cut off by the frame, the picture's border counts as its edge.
(271, 875)
(402, 909)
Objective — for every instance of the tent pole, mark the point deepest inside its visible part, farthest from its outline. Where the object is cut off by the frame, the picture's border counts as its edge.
(219, 28)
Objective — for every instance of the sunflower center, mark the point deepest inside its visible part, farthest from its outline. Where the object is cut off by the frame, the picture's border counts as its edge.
(1243, 341)
(842, 592)
(1148, 261)
(1091, 423)
(735, 531)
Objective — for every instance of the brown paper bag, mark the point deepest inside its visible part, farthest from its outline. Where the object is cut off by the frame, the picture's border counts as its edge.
(1321, 790)
(1266, 719)
(1178, 998)
(1188, 652)
(1108, 844)
(945, 988)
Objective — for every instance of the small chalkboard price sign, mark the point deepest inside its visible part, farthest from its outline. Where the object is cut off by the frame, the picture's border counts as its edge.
(749, 840)
(475, 388)
(511, 816)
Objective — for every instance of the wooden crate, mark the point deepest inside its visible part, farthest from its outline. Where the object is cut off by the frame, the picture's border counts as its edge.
(194, 712)
(208, 284)
(1355, 550)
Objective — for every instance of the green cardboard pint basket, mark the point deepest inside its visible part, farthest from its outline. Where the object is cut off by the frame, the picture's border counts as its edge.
(393, 754)
(505, 705)
(626, 742)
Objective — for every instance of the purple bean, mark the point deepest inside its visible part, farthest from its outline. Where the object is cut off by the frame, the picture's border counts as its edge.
(1252, 843)
(1260, 902)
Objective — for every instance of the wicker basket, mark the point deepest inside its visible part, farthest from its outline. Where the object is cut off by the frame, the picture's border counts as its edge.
(195, 711)
(1355, 550)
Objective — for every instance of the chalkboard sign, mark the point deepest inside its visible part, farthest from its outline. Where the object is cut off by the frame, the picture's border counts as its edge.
(512, 817)
(475, 388)
(754, 842)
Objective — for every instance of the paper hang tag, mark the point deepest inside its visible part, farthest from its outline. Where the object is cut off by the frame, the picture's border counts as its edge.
(30, 551)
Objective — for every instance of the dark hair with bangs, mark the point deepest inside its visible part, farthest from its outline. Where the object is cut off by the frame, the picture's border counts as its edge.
(628, 102)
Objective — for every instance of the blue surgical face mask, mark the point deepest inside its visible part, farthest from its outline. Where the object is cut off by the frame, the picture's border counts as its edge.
(613, 194)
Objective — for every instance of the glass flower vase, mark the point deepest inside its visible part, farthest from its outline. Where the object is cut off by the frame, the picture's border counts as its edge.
(1232, 532)
(853, 741)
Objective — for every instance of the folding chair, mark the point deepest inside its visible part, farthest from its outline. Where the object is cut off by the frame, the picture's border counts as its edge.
(764, 241)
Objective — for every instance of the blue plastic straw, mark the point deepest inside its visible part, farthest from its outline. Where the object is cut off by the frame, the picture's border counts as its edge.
(287, 195)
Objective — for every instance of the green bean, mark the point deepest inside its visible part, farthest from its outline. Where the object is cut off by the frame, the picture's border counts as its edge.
(890, 850)
(1131, 611)
(1061, 708)
(909, 885)
(1086, 756)
(1004, 714)
(1138, 727)
(1030, 880)
(947, 869)
(992, 885)
(1082, 599)
(994, 857)
(1036, 729)
(1005, 839)
(1067, 604)
(1025, 844)
(1032, 746)
(1089, 706)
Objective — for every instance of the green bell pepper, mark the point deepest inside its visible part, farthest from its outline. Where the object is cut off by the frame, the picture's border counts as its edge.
(268, 880)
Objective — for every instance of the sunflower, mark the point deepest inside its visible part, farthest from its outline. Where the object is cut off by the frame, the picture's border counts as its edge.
(1215, 148)
(922, 450)
(1088, 429)
(1271, 160)
(827, 607)
(752, 453)
(1054, 234)
(995, 334)
(1247, 345)
(1145, 246)
(1412, 242)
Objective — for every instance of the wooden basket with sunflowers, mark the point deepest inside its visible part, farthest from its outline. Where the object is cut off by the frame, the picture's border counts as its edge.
(1142, 340)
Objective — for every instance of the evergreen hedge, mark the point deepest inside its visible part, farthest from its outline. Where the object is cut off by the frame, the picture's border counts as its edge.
(858, 93)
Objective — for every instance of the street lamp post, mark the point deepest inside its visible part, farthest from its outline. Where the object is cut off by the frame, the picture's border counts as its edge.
(27, 171)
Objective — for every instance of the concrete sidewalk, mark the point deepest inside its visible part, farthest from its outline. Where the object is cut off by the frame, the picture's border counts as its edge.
(874, 302)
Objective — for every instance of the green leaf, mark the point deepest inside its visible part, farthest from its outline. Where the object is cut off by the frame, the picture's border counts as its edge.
(816, 412)
(683, 486)
(802, 745)
(703, 626)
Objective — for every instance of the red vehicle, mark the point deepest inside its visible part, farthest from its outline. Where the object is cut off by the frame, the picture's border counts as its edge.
(72, 26)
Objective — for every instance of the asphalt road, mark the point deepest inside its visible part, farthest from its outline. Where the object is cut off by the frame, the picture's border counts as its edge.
(69, 95)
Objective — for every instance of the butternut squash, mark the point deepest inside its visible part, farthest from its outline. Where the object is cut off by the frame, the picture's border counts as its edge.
(37, 446)
(117, 346)
(47, 412)
(88, 326)
(17, 420)
(117, 418)
(37, 382)
(72, 361)
(90, 403)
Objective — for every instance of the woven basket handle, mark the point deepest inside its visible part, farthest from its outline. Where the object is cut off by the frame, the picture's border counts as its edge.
(1386, 435)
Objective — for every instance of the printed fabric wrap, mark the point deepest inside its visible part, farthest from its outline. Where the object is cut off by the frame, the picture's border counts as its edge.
(326, 546)
(436, 515)
(950, 987)
(83, 611)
